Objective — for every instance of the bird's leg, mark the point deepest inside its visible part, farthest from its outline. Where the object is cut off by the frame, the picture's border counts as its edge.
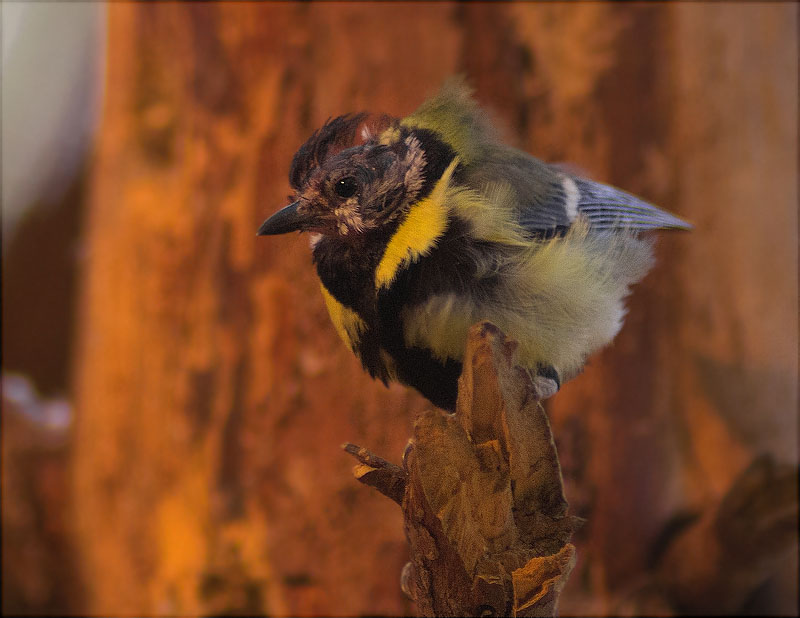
(546, 381)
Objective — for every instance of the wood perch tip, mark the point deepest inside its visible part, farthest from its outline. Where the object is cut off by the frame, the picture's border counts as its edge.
(482, 494)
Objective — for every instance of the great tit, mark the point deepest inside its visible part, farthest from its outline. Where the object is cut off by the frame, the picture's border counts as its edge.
(424, 225)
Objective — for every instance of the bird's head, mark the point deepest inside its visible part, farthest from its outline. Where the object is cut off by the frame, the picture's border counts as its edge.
(351, 179)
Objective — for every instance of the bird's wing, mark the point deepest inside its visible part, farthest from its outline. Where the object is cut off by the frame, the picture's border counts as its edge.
(609, 208)
(550, 200)
(547, 198)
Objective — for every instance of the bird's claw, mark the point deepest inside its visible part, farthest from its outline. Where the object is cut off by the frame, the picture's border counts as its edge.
(544, 387)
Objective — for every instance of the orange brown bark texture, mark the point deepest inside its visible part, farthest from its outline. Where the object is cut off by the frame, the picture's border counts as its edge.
(213, 394)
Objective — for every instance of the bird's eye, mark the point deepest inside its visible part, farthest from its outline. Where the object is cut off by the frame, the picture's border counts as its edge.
(346, 187)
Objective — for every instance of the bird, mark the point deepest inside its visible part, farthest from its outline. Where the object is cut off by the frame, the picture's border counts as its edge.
(424, 225)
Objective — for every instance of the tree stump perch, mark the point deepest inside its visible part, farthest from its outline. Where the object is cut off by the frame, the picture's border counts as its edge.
(482, 494)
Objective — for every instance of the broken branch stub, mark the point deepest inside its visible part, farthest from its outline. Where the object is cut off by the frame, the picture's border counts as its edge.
(482, 494)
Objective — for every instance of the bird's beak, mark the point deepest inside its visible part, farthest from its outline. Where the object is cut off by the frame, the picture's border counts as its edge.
(288, 219)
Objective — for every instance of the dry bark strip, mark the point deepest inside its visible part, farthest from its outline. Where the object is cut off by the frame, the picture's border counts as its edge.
(482, 495)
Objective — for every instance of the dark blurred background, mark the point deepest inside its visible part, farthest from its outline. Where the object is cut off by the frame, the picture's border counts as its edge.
(174, 395)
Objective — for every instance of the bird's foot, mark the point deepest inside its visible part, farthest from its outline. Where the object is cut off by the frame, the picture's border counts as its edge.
(545, 381)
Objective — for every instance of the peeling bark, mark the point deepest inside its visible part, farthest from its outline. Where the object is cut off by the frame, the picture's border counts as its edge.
(482, 495)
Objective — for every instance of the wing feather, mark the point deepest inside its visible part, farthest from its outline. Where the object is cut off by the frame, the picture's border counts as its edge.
(603, 207)
(609, 208)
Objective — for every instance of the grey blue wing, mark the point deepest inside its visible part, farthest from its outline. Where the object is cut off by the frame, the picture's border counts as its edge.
(603, 207)
(609, 208)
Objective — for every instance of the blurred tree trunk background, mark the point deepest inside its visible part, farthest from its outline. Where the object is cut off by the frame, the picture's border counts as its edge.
(212, 394)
